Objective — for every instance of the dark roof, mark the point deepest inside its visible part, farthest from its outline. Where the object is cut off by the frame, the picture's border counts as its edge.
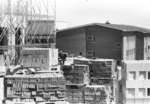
(120, 27)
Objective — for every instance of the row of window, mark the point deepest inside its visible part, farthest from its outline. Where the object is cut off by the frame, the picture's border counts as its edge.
(35, 60)
(38, 40)
(141, 92)
(91, 37)
(141, 75)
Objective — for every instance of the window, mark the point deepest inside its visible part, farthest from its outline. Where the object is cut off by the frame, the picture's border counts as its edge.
(43, 40)
(148, 47)
(91, 37)
(142, 75)
(148, 91)
(36, 40)
(131, 75)
(130, 92)
(141, 92)
(148, 75)
(130, 44)
(42, 61)
(90, 52)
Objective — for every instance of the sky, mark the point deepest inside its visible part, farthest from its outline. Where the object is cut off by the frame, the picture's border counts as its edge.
(71, 13)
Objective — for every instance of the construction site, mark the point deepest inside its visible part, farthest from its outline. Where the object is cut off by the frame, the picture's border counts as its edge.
(34, 71)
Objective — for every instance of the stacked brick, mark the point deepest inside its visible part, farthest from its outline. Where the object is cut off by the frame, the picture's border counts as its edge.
(34, 88)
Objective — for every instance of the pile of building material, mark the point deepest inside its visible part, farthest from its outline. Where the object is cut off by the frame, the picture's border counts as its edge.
(90, 94)
(41, 87)
(75, 94)
(76, 74)
(102, 75)
(101, 71)
(96, 94)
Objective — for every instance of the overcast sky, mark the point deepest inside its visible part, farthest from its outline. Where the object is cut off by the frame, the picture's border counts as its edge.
(77, 12)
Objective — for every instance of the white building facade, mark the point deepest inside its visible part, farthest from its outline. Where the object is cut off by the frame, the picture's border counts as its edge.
(136, 82)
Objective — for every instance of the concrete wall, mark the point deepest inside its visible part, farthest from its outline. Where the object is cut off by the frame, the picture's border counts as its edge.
(136, 84)
(72, 41)
(138, 101)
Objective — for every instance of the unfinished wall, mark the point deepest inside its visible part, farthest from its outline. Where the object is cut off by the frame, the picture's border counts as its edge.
(40, 57)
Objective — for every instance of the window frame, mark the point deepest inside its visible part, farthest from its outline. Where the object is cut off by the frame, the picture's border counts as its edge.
(134, 78)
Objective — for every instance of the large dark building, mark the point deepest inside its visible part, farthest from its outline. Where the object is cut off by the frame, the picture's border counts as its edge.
(106, 41)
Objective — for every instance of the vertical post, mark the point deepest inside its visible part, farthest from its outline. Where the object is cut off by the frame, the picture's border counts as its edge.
(124, 48)
(25, 19)
(1, 11)
(55, 24)
(11, 33)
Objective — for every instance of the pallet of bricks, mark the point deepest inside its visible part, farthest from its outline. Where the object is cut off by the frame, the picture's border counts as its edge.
(96, 94)
(75, 94)
(101, 73)
(77, 76)
(26, 89)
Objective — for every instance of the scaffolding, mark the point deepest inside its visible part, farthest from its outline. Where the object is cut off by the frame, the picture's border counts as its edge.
(15, 19)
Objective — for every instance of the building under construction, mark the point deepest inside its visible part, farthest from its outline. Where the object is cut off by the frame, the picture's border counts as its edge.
(33, 74)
